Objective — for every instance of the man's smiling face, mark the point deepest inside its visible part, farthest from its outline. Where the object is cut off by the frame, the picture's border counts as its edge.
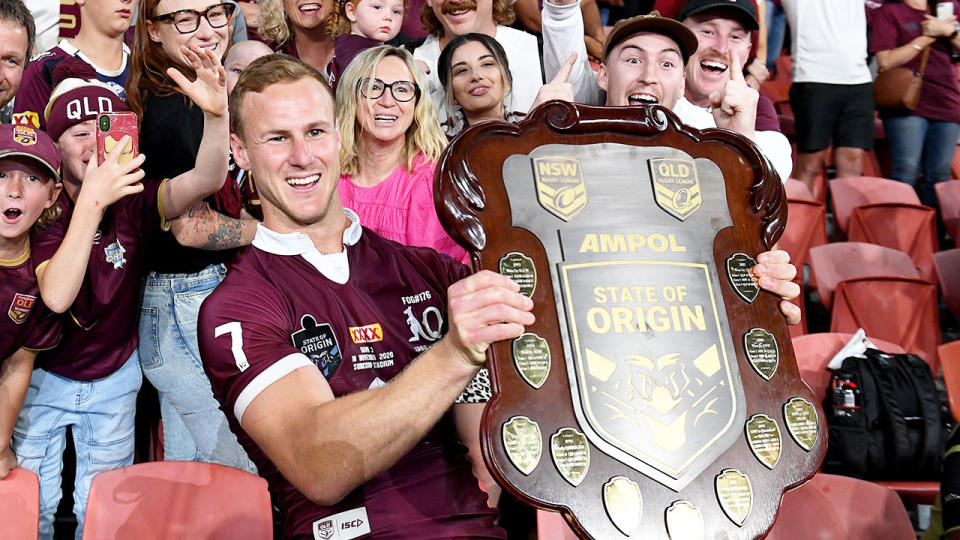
(645, 68)
(708, 69)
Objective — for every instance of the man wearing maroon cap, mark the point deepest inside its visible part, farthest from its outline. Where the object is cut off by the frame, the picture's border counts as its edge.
(90, 263)
(29, 185)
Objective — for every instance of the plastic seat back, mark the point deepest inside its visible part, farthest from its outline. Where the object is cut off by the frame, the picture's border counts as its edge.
(814, 352)
(948, 196)
(910, 228)
(833, 263)
(831, 507)
(806, 228)
(797, 190)
(898, 309)
(20, 505)
(947, 265)
(949, 354)
(552, 526)
(178, 499)
(851, 192)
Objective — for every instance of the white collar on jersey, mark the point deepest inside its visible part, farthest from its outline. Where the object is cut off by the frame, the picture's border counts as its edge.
(333, 266)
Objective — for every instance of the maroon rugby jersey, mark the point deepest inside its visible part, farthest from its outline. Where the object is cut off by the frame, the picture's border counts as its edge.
(28, 323)
(100, 331)
(283, 313)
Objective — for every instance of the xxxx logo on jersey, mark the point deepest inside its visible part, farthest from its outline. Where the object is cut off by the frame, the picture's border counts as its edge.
(370, 333)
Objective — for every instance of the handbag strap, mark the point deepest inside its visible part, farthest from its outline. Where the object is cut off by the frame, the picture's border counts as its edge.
(923, 61)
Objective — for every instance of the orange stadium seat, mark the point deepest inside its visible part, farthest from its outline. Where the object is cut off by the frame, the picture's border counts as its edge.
(832, 507)
(814, 352)
(898, 309)
(851, 192)
(833, 263)
(552, 526)
(947, 264)
(797, 190)
(178, 499)
(955, 166)
(950, 364)
(20, 505)
(784, 64)
(910, 228)
(948, 196)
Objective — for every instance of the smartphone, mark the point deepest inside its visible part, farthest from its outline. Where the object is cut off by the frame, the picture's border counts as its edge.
(111, 127)
(944, 10)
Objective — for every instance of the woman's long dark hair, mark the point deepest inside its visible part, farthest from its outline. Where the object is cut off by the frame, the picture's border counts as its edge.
(444, 71)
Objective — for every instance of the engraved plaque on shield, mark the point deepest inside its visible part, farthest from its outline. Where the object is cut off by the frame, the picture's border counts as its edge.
(656, 368)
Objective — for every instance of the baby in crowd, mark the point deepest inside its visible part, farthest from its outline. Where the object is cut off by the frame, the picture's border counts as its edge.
(361, 24)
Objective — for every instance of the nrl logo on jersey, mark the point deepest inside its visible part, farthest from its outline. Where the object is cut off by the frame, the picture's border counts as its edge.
(115, 253)
(21, 307)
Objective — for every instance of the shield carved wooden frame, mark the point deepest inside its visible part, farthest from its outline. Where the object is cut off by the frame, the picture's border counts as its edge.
(547, 434)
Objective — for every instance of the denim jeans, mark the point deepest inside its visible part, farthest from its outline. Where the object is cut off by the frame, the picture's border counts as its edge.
(776, 28)
(100, 414)
(921, 149)
(194, 428)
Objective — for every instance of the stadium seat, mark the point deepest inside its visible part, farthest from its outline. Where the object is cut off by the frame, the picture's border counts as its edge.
(947, 264)
(833, 263)
(950, 364)
(871, 164)
(910, 228)
(832, 507)
(178, 499)
(898, 309)
(20, 505)
(955, 166)
(948, 197)
(814, 352)
(806, 228)
(797, 190)
(552, 526)
(851, 192)
(784, 64)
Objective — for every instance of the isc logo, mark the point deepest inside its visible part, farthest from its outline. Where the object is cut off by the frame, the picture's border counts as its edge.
(366, 334)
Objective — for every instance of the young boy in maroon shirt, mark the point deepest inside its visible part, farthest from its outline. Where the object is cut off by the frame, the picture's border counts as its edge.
(90, 265)
(29, 185)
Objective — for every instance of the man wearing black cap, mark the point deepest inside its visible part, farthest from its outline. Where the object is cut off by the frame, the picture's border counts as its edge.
(644, 78)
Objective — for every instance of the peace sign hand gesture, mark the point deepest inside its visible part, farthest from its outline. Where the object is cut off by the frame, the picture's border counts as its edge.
(209, 90)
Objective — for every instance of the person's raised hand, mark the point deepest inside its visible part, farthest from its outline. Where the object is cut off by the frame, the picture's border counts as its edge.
(558, 88)
(735, 106)
(484, 308)
(775, 273)
(209, 90)
(107, 183)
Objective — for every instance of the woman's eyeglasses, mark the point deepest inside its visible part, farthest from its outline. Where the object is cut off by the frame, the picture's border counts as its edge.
(188, 20)
(402, 91)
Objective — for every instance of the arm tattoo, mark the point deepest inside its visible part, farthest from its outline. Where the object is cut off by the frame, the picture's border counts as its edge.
(228, 235)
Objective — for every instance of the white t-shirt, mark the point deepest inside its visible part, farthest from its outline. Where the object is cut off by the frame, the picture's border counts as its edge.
(46, 17)
(829, 41)
(522, 54)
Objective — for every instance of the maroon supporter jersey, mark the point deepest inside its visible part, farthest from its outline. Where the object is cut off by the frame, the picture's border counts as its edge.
(101, 330)
(37, 82)
(276, 312)
(28, 322)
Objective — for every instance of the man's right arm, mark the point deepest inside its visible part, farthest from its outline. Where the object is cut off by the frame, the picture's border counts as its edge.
(327, 446)
(563, 36)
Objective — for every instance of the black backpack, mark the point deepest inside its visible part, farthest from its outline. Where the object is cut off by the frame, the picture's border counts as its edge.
(884, 419)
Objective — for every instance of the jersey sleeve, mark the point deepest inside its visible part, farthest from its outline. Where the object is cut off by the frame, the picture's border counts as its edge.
(45, 331)
(46, 239)
(884, 33)
(245, 346)
(33, 94)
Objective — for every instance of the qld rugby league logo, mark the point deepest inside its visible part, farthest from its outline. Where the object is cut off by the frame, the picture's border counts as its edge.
(20, 307)
(560, 187)
(676, 186)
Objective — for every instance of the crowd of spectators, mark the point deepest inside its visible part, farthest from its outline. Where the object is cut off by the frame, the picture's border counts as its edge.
(229, 259)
